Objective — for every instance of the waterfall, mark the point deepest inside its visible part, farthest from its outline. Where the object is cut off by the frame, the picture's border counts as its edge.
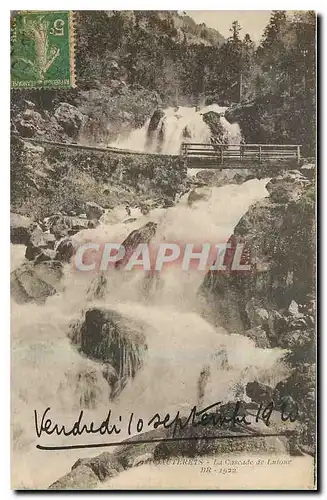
(181, 345)
(177, 125)
(48, 370)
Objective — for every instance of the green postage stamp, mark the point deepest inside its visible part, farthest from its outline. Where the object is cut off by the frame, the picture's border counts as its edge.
(42, 50)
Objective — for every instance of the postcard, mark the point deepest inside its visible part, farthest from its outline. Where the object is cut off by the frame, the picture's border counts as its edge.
(163, 250)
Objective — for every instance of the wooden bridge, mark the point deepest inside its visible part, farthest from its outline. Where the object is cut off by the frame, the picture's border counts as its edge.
(223, 156)
(211, 156)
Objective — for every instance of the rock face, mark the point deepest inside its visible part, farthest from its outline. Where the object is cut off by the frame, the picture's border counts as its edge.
(279, 235)
(273, 304)
(115, 340)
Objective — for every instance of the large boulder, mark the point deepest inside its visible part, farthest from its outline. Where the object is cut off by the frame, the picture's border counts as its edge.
(35, 282)
(20, 229)
(142, 235)
(259, 393)
(117, 341)
(70, 118)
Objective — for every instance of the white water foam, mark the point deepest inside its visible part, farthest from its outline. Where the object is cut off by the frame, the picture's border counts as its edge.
(48, 370)
(178, 125)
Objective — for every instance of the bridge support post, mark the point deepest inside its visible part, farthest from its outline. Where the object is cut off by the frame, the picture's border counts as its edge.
(298, 153)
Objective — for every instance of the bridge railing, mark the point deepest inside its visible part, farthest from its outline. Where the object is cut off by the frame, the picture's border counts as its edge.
(241, 153)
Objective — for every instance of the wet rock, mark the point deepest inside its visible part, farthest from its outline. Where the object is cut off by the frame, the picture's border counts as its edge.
(80, 478)
(259, 393)
(65, 249)
(114, 339)
(93, 210)
(142, 235)
(70, 118)
(38, 242)
(20, 228)
(155, 119)
(199, 194)
(104, 466)
(34, 283)
(259, 336)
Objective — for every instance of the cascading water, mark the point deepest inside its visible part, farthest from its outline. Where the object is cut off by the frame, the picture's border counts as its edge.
(177, 125)
(49, 371)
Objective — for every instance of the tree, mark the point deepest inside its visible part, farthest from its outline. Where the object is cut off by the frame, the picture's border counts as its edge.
(235, 30)
(275, 28)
